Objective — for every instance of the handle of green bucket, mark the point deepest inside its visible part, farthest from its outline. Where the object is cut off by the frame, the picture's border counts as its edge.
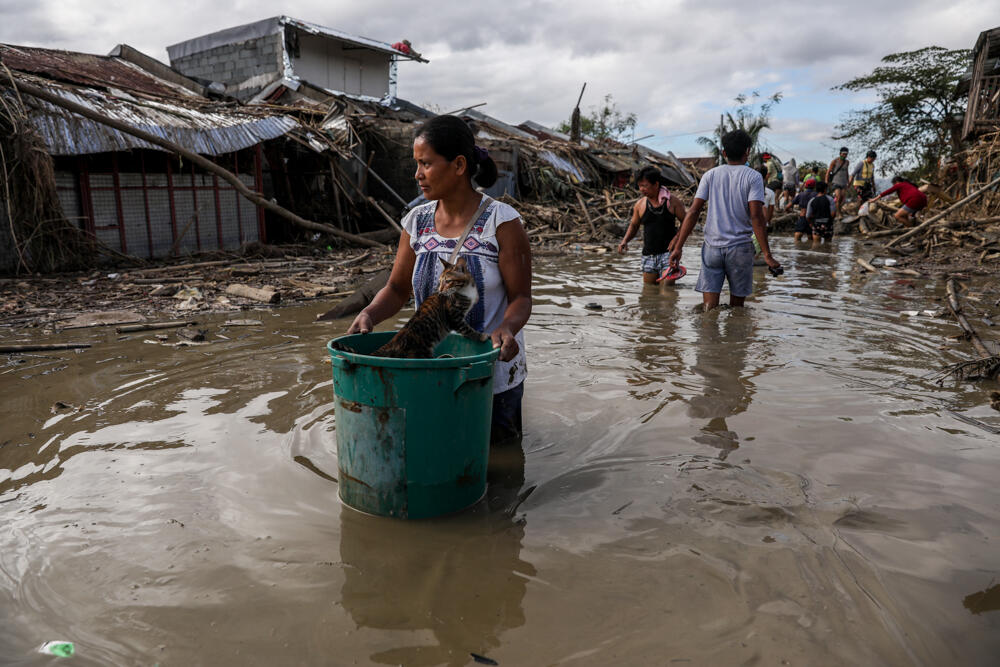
(480, 370)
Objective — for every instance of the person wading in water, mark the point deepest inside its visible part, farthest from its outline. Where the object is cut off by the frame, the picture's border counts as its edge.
(658, 212)
(837, 176)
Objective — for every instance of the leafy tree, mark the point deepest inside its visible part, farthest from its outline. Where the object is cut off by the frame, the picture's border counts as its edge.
(916, 121)
(605, 122)
(745, 116)
(811, 167)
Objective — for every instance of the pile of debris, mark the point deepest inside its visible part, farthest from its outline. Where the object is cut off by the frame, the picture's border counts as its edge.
(98, 298)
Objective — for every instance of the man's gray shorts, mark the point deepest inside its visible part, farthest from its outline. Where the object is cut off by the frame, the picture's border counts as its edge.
(734, 263)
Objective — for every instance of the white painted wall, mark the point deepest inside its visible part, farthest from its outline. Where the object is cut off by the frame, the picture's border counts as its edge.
(325, 62)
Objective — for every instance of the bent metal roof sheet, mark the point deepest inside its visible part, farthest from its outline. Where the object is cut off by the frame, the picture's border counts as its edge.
(125, 92)
(205, 132)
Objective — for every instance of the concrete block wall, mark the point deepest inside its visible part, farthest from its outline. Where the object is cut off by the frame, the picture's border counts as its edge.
(233, 64)
(393, 160)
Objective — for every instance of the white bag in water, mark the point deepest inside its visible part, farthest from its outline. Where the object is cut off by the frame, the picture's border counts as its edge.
(863, 210)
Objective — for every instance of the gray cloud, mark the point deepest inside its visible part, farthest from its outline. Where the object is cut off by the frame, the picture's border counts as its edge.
(676, 64)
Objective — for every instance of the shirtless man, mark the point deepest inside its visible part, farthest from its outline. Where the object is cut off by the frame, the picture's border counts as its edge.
(658, 212)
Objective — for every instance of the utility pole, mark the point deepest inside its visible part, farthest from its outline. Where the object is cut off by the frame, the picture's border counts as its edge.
(575, 131)
(721, 128)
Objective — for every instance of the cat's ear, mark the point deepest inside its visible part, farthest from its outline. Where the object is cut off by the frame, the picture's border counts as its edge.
(446, 263)
(461, 263)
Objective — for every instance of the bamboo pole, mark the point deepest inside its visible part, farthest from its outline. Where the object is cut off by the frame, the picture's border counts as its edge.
(954, 207)
(42, 347)
(374, 204)
(155, 326)
(586, 213)
(956, 310)
(371, 172)
(202, 162)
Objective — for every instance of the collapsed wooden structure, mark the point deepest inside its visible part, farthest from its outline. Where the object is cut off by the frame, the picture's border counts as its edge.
(983, 109)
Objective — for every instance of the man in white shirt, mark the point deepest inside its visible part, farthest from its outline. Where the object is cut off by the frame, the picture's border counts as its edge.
(735, 194)
(769, 198)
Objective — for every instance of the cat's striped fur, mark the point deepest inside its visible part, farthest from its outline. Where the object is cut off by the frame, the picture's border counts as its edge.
(440, 313)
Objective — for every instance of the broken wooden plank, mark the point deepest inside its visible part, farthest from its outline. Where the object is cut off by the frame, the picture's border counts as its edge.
(866, 265)
(264, 295)
(586, 213)
(359, 299)
(956, 310)
(318, 289)
(155, 281)
(155, 326)
(104, 318)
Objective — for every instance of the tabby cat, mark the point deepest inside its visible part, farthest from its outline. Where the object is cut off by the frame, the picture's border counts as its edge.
(440, 313)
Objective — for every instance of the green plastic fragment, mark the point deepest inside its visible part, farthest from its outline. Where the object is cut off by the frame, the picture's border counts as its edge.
(59, 649)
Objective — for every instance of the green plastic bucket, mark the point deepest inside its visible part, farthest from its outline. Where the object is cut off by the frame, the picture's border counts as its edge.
(413, 435)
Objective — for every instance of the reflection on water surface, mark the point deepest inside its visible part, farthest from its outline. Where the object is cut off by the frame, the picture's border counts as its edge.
(767, 484)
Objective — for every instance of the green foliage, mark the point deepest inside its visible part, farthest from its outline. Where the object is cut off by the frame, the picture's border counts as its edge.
(915, 121)
(811, 167)
(605, 122)
(745, 116)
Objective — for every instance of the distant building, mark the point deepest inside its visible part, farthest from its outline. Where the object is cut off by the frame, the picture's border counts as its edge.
(251, 60)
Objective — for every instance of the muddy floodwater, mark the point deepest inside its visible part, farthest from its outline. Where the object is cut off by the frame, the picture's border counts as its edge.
(775, 486)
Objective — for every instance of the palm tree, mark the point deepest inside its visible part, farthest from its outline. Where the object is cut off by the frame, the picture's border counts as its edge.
(743, 117)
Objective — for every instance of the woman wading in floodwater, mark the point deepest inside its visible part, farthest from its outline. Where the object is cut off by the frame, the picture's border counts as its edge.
(496, 251)
(658, 212)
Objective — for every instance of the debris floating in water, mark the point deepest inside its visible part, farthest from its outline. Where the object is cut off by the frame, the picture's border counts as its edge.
(594, 306)
(483, 660)
(60, 649)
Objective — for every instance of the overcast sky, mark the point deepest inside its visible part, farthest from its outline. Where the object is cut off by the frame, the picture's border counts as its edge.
(676, 64)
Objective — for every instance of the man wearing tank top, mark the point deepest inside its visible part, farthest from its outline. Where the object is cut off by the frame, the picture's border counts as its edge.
(837, 177)
(658, 212)
(735, 196)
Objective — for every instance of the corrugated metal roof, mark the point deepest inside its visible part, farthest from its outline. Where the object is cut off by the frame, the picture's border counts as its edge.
(613, 163)
(496, 123)
(670, 165)
(209, 132)
(87, 69)
(562, 164)
(543, 132)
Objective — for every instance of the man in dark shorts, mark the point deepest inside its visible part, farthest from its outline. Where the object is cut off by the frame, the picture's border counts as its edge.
(801, 201)
(819, 213)
(837, 176)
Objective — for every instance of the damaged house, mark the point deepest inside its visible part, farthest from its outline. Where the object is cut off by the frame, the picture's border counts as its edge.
(130, 196)
(306, 116)
(134, 198)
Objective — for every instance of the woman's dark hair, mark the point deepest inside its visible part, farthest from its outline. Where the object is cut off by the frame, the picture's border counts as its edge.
(901, 179)
(736, 144)
(650, 174)
(820, 186)
(870, 154)
(449, 137)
